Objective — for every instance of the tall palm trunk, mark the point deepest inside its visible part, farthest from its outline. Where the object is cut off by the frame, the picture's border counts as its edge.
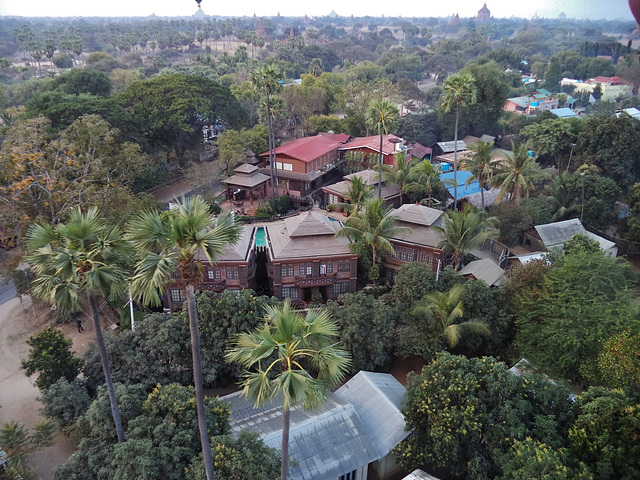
(286, 417)
(270, 146)
(482, 194)
(455, 162)
(380, 170)
(104, 359)
(373, 247)
(197, 380)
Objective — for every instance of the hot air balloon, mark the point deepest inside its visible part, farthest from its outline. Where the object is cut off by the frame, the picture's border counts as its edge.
(198, 2)
(634, 5)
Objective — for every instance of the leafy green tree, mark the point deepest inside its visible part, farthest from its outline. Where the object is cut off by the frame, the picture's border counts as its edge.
(513, 222)
(65, 401)
(373, 226)
(553, 75)
(232, 149)
(605, 433)
(325, 123)
(424, 179)
(20, 445)
(399, 173)
(174, 108)
(445, 310)
(459, 91)
(481, 164)
(51, 357)
(516, 174)
(529, 459)
(463, 231)
(367, 327)
(178, 247)
(382, 116)
(302, 346)
(83, 80)
(356, 195)
(582, 243)
(412, 282)
(618, 364)
(464, 414)
(83, 257)
(553, 138)
(580, 303)
(245, 457)
(266, 80)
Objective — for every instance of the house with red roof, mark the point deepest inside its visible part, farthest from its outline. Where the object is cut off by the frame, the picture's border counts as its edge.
(308, 163)
(391, 145)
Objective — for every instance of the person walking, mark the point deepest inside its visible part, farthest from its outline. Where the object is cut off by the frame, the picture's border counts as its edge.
(79, 324)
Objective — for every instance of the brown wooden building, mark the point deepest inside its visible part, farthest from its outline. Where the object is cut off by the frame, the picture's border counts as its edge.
(304, 257)
(235, 270)
(418, 245)
(336, 192)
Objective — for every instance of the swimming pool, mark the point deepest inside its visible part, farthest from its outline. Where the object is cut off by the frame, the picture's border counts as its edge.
(260, 237)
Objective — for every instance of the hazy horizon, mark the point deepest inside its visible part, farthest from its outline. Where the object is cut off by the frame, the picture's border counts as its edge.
(586, 9)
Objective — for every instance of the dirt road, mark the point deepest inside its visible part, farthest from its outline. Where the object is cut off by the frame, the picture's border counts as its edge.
(18, 395)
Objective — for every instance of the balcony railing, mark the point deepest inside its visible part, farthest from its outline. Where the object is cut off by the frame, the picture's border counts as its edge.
(316, 281)
(217, 286)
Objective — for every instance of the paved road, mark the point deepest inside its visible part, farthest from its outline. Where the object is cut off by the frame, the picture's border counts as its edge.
(7, 291)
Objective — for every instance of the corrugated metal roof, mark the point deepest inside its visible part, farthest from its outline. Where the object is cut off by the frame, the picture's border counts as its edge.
(486, 270)
(356, 426)
(463, 190)
(419, 475)
(377, 397)
(448, 147)
(558, 233)
(563, 112)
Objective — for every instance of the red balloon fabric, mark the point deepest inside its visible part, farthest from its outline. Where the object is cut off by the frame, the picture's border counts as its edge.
(635, 9)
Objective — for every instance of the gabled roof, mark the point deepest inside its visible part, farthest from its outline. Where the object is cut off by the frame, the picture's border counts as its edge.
(544, 92)
(417, 214)
(369, 177)
(240, 251)
(487, 138)
(485, 269)
(520, 101)
(358, 424)
(558, 233)
(632, 112)
(307, 225)
(611, 80)
(373, 143)
(448, 147)
(420, 151)
(307, 149)
(338, 137)
(563, 112)
(377, 397)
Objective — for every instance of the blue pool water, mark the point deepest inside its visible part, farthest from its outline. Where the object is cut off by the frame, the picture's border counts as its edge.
(260, 237)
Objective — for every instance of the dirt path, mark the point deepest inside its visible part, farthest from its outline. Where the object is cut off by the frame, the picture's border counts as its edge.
(18, 395)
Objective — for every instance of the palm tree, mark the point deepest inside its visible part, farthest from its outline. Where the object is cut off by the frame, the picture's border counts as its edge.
(516, 173)
(293, 357)
(459, 91)
(559, 190)
(463, 231)
(267, 80)
(424, 179)
(399, 173)
(382, 116)
(81, 258)
(481, 163)
(180, 246)
(357, 194)
(373, 226)
(444, 310)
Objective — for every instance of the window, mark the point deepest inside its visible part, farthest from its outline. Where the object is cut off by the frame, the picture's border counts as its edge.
(326, 268)
(349, 476)
(290, 292)
(340, 288)
(333, 199)
(287, 167)
(304, 270)
(214, 274)
(232, 273)
(406, 254)
(427, 258)
(286, 270)
(344, 266)
(176, 295)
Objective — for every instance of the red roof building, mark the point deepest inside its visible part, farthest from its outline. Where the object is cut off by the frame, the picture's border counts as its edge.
(371, 145)
(305, 164)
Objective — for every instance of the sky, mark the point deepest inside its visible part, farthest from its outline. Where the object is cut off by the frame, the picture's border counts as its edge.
(594, 9)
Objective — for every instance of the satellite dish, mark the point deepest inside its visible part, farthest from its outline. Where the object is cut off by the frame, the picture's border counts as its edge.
(634, 5)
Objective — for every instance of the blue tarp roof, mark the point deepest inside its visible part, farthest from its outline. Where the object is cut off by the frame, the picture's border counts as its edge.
(463, 190)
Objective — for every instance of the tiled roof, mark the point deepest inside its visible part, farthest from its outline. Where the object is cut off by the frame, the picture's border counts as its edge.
(307, 235)
(419, 235)
(373, 142)
(338, 137)
(307, 149)
(420, 151)
(417, 214)
(611, 80)
(238, 252)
